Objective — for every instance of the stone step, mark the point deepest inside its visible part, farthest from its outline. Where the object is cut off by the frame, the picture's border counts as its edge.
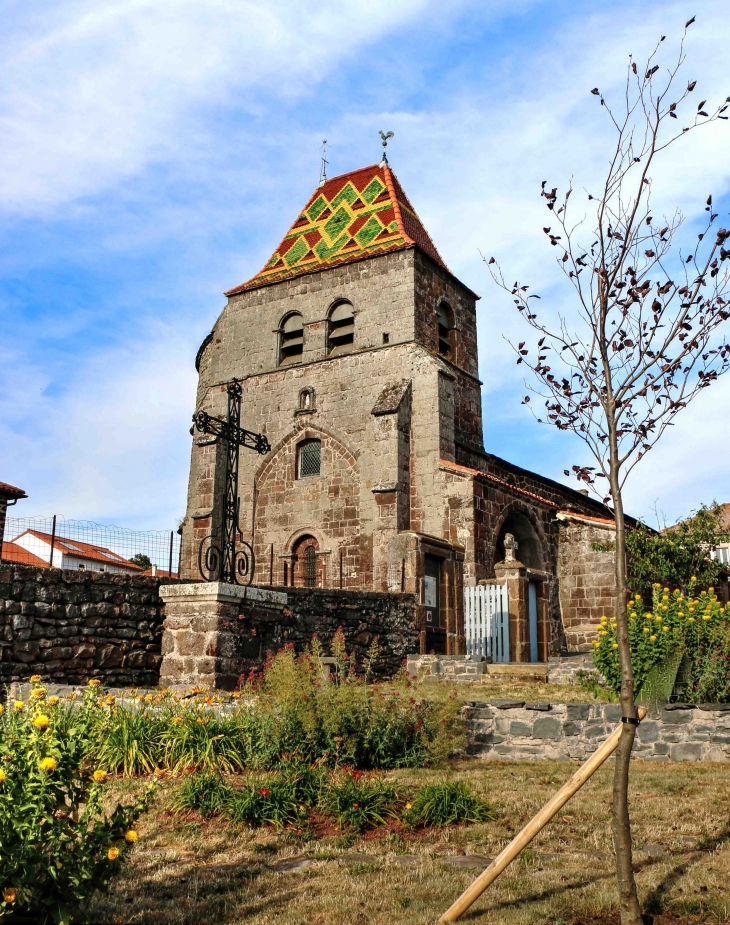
(523, 671)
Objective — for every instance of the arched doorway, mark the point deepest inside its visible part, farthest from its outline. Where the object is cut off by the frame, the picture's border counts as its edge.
(529, 548)
(305, 563)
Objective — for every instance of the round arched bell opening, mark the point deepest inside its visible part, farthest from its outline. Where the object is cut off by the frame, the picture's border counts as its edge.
(529, 550)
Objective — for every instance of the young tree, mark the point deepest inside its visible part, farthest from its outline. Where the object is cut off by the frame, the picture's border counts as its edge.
(642, 340)
(143, 561)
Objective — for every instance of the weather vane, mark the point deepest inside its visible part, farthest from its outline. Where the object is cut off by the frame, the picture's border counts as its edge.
(385, 136)
(323, 171)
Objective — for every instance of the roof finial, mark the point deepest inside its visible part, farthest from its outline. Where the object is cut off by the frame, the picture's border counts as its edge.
(323, 171)
(385, 136)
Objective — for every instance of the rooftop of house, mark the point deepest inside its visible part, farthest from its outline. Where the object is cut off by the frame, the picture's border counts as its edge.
(10, 491)
(76, 548)
(11, 552)
(350, 217)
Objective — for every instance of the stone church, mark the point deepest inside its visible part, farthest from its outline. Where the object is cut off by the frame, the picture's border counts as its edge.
(357, 351)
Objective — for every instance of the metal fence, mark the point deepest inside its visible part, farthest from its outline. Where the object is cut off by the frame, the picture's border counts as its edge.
(82, 544)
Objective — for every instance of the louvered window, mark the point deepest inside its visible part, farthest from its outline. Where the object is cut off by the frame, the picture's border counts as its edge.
(446, 329)
(341, 329)
(291, 340)
(309, 458)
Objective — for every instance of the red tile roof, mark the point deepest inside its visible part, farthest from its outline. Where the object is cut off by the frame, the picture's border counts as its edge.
(83, 550)
(351, 217)
(13, 553)
(477, 473)
(11, 491)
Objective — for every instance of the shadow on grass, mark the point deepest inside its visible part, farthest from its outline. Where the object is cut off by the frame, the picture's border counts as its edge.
(653, 902)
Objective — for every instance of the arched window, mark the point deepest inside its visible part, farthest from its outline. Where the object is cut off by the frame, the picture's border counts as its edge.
(446, 329)
(291, 339)
(309, 458)
(341, 329)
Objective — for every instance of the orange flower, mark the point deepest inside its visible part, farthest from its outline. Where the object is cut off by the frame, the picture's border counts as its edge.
(113, 854)
(10, 894)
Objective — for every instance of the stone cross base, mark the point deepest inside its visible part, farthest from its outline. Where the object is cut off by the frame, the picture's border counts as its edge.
(200, 641)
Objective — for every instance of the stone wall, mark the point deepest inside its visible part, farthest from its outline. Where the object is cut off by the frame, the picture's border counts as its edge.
(72, 626)
(512, 730)
(216, 633)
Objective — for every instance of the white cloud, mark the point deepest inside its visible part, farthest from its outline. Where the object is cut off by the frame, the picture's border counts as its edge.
(111, 84)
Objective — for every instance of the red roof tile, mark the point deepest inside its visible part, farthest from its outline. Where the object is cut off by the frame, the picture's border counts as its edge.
(13, 553)
(11, 491)
(83, 550)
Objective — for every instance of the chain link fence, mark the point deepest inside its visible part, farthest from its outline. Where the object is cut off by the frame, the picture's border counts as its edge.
(81, 544)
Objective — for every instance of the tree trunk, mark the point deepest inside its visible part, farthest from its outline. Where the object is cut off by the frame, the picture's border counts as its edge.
(621, 822)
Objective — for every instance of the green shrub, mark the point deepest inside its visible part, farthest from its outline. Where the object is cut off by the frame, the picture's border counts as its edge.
(205, 793)
(59, 846)
(130, 739)
(267, 801)
(357, 800)
(682, 637)
(446, 804)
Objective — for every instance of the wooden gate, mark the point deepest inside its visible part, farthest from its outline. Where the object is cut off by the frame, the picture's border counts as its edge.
(486, 621)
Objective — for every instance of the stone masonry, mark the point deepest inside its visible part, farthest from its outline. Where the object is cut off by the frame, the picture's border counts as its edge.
(512, 730)
(216, 633)
(70, 626)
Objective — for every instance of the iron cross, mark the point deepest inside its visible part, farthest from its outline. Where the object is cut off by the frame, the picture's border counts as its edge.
(218, 557)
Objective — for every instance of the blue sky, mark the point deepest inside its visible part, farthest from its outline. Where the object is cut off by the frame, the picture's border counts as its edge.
(152, 155)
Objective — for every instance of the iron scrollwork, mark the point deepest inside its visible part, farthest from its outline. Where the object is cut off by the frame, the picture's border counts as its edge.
(224, 555)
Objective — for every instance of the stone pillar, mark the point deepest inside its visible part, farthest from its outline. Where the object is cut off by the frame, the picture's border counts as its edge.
(515, 574)
(200, 639)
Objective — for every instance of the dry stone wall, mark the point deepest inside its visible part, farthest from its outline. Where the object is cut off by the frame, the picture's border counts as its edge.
(71, 626)
(512, 730)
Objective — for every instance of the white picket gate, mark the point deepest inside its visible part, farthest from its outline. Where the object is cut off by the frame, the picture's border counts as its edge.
(486, 621)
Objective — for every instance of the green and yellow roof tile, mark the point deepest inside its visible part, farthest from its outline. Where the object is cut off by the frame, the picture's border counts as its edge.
(351, 217)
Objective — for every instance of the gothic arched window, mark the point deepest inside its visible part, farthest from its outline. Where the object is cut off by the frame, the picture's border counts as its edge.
(291, 339)
(341, 329)
(309, 458)
(446, 329)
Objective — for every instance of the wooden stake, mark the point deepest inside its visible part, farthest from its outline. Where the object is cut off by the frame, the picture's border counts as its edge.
(535, 825)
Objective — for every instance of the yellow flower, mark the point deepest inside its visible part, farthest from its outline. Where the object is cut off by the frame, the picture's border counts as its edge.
(707, 616)
(149, 698)
(2, 776)
(18, 706)
(113, 854)
(615, 645)
(10, 894)
(177, 719)
(409, 805)
(646, 629)
(680, 613)
(131, 837)
(41, 721)
(637, 597)
(35, 678)
(48, 764)
(666, 629)
(658, 618)
(2, 709)
(52, 701)
(603, 633)
(691, 620)
(100, 776)
(94, 682)
(665, 607)
(665, 597)
(653, 638)
(693, 578)
(710, 590)
(666, 590)
(596, 643)
(39, 693)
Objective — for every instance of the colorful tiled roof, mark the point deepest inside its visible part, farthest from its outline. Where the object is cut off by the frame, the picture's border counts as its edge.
(80, 549)
(353, 216)
(11, 552)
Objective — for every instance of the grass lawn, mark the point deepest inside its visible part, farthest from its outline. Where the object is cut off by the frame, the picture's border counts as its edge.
(186, 870)
(500, 689)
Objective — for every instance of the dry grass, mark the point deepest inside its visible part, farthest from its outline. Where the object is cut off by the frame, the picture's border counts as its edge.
(188, 871)
(498, 689)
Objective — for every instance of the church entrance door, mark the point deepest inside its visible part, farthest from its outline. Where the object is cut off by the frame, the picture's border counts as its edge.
(435, 635)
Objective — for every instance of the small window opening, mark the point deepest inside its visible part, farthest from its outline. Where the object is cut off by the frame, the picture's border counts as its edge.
(386, 338)
(309, 460)
(291, 340)
(446, 329)
(341, 329)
